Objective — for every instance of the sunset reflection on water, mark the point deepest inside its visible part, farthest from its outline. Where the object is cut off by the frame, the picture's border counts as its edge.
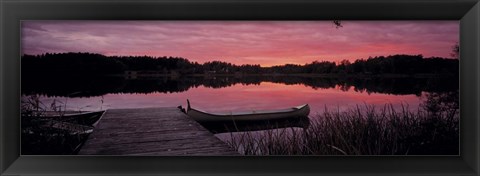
(238, 97)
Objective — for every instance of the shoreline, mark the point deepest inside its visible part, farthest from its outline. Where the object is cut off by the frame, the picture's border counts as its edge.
(289, 75)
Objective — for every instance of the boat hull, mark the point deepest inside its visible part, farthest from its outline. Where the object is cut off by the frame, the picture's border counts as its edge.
(84, 118)
(297, 112)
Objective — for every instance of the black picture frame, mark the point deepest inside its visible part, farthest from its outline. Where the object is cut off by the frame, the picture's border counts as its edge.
(14, 11)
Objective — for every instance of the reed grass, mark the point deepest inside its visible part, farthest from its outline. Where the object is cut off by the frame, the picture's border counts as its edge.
(360, 131)
(37, 138)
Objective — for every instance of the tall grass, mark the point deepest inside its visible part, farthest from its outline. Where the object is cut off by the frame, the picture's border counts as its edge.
(360, 131)
(39, 136)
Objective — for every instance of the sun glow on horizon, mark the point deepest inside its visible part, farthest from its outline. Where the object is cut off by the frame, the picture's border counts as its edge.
(267, 43)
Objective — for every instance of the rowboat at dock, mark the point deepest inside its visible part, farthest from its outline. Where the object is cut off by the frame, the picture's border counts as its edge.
(52, 132)
(80, 118)
(293, 112)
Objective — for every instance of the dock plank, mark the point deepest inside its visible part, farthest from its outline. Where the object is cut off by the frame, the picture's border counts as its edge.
(152, 131)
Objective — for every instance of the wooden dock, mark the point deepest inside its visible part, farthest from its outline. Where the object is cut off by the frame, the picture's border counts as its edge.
(152, 131)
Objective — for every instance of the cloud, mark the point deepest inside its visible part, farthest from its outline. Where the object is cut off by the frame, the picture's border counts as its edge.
(253, 42)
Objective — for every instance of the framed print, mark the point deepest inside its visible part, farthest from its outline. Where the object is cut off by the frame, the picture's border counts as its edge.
(240, 87)
(288, 88)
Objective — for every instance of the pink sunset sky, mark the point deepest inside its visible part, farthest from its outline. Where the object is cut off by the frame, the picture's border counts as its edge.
(243, 42)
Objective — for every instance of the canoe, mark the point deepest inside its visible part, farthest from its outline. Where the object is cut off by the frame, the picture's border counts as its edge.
(83, 118)
(202, 116)
(51, 132)
(72, 128)
(86, 118)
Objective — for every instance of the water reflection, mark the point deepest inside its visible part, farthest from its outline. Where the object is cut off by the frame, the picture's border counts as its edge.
(436, 97)
(94, 86)
(239, 126)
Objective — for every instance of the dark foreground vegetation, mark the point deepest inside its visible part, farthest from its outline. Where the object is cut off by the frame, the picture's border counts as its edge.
(361, 131)
(42, 137)
(97, 64)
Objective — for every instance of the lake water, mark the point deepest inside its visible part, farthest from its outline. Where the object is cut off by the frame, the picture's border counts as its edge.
(220, 94)
(239, 97)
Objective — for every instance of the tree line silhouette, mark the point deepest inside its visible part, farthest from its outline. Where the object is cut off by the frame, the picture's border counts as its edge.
(98, 86)
(97, 64)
